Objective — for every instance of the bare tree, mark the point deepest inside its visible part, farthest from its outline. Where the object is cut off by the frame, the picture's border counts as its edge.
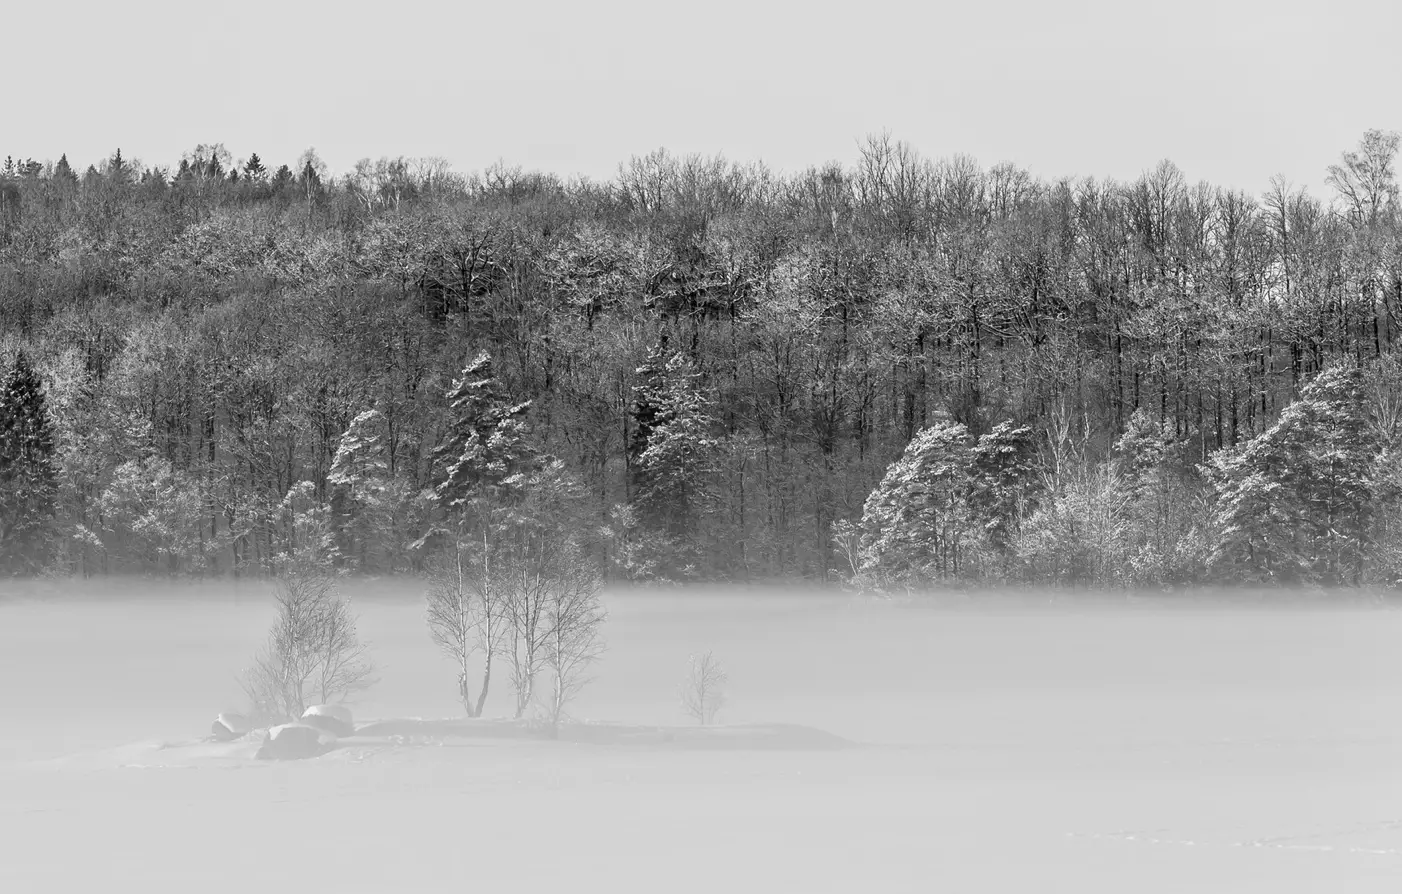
(312, 652)
(541, 567)
(1366, 179)
(467, 616)
(703, 693)
(573, 618)
(527, 593)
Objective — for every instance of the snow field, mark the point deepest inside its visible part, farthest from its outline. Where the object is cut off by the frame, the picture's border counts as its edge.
(1115, 749)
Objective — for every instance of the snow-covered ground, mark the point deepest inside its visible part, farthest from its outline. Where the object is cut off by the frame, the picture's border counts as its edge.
(1037, 748)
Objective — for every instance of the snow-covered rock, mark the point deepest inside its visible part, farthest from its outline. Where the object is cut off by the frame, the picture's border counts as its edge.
(332, 718)
(229, 726)
(292, 741)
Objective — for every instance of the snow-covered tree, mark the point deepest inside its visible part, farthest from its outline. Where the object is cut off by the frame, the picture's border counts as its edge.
(673, 455)
(1080, 534)
(1295, 504)
(915, 523)
(28, 484)
(156, 509)
(308, 533)
(358, 481)
(484, 451)
(1167, 526)
(1003, 482)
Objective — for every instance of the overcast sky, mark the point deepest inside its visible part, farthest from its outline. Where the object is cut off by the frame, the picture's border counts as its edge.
(1230, 90)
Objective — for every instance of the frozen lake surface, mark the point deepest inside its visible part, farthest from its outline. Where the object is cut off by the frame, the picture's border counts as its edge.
(1042, 747)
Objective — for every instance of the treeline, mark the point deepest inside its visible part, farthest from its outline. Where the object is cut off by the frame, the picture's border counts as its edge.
(725, 359)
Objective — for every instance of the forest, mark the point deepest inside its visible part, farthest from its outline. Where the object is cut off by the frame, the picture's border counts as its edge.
(895, 371)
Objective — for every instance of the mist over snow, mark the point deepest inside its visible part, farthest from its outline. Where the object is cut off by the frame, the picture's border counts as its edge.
(990, 744)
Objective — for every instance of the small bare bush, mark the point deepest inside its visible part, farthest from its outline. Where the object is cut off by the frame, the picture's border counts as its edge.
(703, 693)
(313, 654)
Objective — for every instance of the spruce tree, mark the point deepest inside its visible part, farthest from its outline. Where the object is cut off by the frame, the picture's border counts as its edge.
(63, 172)
(484, 452)
(28, 484)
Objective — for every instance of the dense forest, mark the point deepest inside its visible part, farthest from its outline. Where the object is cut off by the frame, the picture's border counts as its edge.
(896, 371)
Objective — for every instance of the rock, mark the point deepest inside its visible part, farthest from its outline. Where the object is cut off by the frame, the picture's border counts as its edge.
(332, 718)
(228, 727)
(294, 741)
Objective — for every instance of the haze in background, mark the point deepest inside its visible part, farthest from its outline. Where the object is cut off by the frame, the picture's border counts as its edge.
(1233, 91)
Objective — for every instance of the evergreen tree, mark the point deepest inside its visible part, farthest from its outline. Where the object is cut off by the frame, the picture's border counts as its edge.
(1140, 451)
(254, 169)
(357, 480)
(646, 405)
(484, 452)
(674, 456)
(914, 523)
(118, 171)
(1003, 480)
(283, 178)
(1296, 504)
(28, 486)
(63, 172)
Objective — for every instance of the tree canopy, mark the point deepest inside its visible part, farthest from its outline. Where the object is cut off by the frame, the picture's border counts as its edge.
(728, 359)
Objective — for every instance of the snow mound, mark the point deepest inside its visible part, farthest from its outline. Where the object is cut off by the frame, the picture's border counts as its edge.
(295, 741)
(230, 726)
(334, 719)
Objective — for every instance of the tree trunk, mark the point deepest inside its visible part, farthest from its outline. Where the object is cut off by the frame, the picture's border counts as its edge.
(486, 685)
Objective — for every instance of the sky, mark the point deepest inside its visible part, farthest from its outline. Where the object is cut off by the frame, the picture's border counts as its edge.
(1232, 91)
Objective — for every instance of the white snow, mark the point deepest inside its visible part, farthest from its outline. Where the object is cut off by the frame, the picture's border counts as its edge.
(332, 718)
(230, 725)
(1049, 749)
(335, 712)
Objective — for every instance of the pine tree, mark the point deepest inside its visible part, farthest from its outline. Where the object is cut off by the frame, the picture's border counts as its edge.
(914, 523)
(1003, 480)
(254, 168)
(484, 452)
(28, 482)
(1295, 505)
